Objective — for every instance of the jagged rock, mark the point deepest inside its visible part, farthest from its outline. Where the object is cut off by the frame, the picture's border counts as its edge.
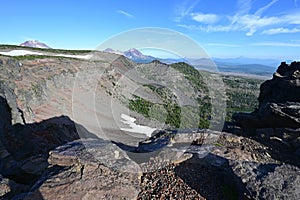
(269, 181)
(284, 86)
(283, 183)
(20, 158)
(279, 101)
(92, 169)
(5, 115)
(247, 166)
(92, 151)
(279, 107)
(272, 115)
(34, 165)
(24, 148)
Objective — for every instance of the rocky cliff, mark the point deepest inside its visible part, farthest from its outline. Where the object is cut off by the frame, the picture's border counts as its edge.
(276, 121)
(278, 114)
(279, 101)
(49, 148)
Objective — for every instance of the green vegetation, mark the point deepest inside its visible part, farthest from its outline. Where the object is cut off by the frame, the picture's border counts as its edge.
(140, 105)
(37, 89)
(191, 74)
(218, 144)
(204, 112)
(241, 96)
(143, 106)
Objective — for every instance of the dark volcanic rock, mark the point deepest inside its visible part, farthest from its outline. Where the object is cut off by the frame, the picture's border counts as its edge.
(276, 124)
(269, 181)
(24, 149)
(274, 115)
(278, 112)
(283, 183)
(87, 173)
(23, 161)
(284, 86)
(279, 101)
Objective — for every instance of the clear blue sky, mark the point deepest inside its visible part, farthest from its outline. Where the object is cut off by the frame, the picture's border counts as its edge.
(231, 28)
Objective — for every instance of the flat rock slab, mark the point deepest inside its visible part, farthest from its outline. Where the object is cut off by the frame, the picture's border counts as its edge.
(89, 169)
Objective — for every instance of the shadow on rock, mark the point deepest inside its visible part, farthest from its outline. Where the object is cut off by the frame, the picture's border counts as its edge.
(212, 177)
(24, 149)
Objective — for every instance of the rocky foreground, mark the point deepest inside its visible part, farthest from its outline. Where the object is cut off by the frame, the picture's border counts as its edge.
(255, 158)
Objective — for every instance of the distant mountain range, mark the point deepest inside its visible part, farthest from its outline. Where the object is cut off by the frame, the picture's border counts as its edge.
(35, 44)
(239, 65)
(247, 61)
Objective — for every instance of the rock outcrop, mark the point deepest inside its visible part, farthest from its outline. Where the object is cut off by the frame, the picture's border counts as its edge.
(277, 119)
(228, 167)
(82, 169)
(58, 165)
(24, 149)
(279, 101)
(276, 123)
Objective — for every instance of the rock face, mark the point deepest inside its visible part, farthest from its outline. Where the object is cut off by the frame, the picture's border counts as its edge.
(24, 149)
(279, 101)
(268, 181)
(278, 116)
(228, 167)
(83, 173)
(276, 124)
(70, 171)
(284, 87)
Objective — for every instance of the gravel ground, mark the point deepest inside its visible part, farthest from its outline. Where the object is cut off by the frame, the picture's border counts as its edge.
(166, 184)
(187, 180)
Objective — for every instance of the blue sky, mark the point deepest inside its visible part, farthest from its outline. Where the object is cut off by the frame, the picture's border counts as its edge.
(231, 28)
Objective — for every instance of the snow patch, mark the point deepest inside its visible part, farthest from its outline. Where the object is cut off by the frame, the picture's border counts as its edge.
(26, 52)
(135, 128)
(20, 53)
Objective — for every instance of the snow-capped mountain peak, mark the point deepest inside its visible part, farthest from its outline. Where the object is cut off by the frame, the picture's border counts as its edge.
(132, 54)
(35, 44)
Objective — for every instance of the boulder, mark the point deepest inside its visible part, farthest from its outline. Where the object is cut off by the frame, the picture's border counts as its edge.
(278, 111)
(271, 115)
(269, 181)
(247, 167)
(285, 85)
(279, 101)
(88, 169)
